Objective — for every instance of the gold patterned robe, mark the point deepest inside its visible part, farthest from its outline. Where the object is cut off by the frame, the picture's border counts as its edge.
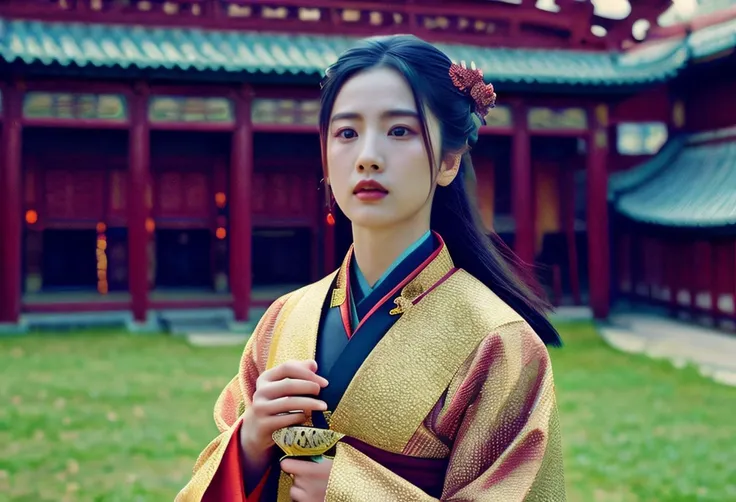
(458, 377)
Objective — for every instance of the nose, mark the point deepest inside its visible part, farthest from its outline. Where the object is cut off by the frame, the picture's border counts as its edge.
(370, 158)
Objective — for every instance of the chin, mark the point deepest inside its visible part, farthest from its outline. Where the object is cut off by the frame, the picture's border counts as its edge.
(372, 217)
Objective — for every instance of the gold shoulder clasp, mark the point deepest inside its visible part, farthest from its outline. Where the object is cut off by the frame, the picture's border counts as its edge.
(410, 293)
(338, 297)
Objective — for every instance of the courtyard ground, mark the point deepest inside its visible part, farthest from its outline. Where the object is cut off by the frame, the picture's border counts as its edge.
(115, 417)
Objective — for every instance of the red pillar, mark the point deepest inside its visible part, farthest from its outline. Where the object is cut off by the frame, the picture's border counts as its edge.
(713, 282)
(241, 175)
(10, 207)
(521, 186)
(733, 279)
(567, 200)
(138, 176)
(597, 178)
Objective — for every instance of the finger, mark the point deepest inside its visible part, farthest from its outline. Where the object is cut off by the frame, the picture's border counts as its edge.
(290, 403)
(304, 468)
(280, 421)
(291, 466)
(301, 370)
(288, 387)
(285, 369)
(298, 494)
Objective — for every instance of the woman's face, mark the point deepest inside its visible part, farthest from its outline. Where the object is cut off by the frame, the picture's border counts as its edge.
(375, 136)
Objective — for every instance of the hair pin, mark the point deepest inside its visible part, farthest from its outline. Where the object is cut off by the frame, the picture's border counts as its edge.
(470, 82)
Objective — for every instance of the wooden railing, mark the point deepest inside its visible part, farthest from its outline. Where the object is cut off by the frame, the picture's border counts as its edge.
(486, 23)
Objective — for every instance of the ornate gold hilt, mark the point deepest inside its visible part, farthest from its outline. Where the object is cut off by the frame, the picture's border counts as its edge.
(308, 443)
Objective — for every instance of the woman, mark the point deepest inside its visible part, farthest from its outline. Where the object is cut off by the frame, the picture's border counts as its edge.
(419, 369)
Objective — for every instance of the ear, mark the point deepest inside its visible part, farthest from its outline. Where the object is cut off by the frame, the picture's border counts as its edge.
(448, 169)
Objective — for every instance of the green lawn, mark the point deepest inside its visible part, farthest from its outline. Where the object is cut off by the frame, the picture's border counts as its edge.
(110, 417)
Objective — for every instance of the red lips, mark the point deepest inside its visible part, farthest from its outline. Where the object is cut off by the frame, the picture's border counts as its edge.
(369, 186)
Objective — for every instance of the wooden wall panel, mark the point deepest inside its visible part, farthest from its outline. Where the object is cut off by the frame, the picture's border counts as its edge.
(285, 195)
(182, 195)
(74, 194)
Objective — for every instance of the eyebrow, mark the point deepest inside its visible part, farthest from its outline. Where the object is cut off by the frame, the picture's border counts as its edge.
(398, 112)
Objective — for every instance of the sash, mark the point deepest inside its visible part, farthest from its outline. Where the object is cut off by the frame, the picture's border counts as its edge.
(427, 474)
(310, 444)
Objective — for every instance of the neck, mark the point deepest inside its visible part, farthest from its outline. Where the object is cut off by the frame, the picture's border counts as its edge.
(375, 249)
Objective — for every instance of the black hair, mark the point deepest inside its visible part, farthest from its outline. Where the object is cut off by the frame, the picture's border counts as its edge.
(454, 213)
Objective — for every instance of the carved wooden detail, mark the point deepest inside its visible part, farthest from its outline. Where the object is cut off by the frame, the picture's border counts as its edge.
(285, 111)
(29, 188)
(191, 110)
(500, 116)
(393, 16)
(543, 118)
(183, 195)
(59, 105)
(118, 199)
(161, 7)
(74, 194)
(485, 23)
(286, 194)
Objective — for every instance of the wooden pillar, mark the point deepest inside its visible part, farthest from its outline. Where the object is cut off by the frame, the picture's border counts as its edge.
(693, 274)
(10, 206)
(567, 201)
(733, 281)
(138, 179)
(624, 270)
(714, 289)
(241, 182)
(674, 260)
(597, 213)
(676, 123)
(521, 186)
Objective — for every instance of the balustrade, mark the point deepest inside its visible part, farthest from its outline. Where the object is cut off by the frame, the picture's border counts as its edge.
(461, 21)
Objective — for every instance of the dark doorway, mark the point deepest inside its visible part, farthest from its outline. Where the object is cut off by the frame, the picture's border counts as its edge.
(69, 260)
(183, 258)
(117, 258)
(282, 256)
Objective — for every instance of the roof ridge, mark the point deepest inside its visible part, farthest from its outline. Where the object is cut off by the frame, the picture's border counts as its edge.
(237, 52)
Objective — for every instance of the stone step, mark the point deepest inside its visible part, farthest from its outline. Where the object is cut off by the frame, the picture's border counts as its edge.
(216, 339)
(711, 351)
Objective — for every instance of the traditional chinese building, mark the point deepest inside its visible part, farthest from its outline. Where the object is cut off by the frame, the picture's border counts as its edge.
(674, 229)
(163, 155)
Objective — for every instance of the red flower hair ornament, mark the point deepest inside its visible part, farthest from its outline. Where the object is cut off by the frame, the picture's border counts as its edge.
(470, 82)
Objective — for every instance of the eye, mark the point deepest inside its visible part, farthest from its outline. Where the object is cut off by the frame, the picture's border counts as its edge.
(346, 134)
(400, 131)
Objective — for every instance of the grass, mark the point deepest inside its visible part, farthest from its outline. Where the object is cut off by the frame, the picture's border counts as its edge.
(114, 417)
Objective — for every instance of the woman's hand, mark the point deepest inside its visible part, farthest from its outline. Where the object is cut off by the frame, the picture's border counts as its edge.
(281, 399)
(310, 479)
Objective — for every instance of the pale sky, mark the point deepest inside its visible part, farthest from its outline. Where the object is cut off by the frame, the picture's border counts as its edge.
(619, 9)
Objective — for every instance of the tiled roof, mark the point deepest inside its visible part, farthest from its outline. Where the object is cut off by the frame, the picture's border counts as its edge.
(703, 8)
(696, 188)
(625, 180)
(701, 43)
(713, 39)
(256, 52)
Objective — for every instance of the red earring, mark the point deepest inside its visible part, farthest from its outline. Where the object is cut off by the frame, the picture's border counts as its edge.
(330, 203)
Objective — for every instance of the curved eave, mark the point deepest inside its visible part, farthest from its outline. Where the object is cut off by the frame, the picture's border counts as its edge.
(622, 181)
(696, 190)
(701, 43)
(149, 48)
